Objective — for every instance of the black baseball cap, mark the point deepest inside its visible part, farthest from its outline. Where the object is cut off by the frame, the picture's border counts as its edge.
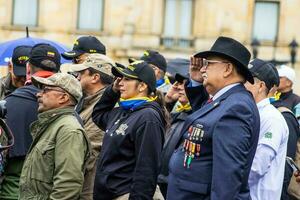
(155, 58)
(45, 56)
(19, 59)
(85, 44)
(179, 77)
(264, 71)
(139, 70)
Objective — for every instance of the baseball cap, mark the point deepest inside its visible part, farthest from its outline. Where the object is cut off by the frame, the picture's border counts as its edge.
(138, 70)
(179, 77)
(264, 71)
(65, 81)
(85, 44)
(155, 58)
(96, 61)
(288, 72)
(19, 59)
(45, 56)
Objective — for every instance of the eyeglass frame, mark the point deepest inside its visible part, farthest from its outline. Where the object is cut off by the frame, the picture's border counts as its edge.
(206, 61)
(48, 89)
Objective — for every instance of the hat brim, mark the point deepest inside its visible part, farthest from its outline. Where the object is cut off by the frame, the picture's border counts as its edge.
(180, 78)
(19, 70)
(77, 67)
(131, 60)
(244, 69)
(69, 55)
(39, 82)
(120, 72)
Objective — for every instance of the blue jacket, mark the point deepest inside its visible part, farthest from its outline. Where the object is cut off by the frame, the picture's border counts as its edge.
(231, 129)
(21, 108)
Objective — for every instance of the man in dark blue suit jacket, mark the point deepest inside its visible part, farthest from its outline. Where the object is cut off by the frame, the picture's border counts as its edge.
(214, 156)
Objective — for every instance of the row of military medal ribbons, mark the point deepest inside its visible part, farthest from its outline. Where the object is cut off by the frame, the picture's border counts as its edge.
(192, 149)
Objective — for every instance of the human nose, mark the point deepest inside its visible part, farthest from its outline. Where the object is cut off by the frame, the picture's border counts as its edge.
(39, 94)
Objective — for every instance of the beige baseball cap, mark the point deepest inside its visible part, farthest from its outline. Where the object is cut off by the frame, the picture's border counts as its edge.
(65, 81)
(96, 61)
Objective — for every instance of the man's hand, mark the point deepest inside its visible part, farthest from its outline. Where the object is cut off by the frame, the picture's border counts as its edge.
(195, 66)
(173, 93)
(116, 86)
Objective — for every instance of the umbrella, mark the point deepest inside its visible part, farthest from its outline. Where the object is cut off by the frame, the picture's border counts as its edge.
(178, 65)
(6, 48)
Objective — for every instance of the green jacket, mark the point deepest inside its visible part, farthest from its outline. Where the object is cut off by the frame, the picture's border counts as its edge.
(54, 166)
(6, 86)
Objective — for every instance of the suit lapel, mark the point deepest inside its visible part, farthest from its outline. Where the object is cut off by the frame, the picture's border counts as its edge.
(209, 107)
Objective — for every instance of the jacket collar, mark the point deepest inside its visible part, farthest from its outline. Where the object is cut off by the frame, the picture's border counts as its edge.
(46, 118)
(286, 94)
(223, 90)
(263, 103)
(92, 98)
(209, 107)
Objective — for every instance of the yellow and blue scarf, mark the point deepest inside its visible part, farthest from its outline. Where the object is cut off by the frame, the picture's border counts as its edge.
(133, 103)
(162, 81)
(276, 97)
(183, 108)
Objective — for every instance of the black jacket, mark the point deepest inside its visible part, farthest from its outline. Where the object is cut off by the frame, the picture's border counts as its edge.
(173, 136)
(289, 100)
(21, 112)
(294, 135)
(130, 156)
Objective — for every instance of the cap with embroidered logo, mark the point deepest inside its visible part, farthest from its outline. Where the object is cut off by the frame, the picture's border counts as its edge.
(45, 56)
(19, 59)
(96, 61)
(155, 58)
(85, 44)
(140, 70)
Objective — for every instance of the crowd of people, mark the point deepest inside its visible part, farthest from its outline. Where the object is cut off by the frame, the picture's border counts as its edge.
(221, 129)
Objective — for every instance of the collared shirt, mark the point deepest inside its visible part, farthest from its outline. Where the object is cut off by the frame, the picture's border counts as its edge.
(267, 171)
(223, 90)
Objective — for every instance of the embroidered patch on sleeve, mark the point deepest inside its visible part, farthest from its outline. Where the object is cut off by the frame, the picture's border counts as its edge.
(268, 135)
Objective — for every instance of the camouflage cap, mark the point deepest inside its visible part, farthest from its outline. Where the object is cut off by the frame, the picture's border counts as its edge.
(96, 61)
(65, 81)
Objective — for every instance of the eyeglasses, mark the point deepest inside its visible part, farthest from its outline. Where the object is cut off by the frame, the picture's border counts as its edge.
(48, 89)
(204, 62)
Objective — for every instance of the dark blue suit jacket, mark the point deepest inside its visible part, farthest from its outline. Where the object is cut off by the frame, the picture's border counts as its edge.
(231, 130)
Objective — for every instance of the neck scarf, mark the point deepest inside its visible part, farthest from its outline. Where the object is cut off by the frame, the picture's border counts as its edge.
(276, 97)
(183, 108)
(162, 81)
(133, 103)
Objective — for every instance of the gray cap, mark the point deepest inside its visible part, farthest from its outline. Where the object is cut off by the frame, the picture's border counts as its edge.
(96, 61)
(65, 81)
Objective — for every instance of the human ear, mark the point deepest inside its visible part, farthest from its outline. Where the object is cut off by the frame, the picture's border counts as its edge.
(142, 87)
(228, 70)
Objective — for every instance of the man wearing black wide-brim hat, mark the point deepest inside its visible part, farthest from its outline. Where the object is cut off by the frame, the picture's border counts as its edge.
(219, 140)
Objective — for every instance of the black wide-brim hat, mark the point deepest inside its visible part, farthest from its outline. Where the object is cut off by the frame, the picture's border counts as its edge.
(232, 50)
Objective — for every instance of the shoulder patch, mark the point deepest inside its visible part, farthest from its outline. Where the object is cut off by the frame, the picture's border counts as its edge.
(268, 135)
